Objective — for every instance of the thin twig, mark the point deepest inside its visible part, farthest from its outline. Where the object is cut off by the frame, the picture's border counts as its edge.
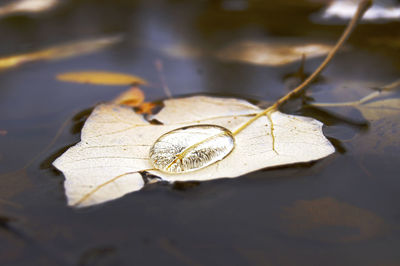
(160, 70)
(362, 7)
(391, 86)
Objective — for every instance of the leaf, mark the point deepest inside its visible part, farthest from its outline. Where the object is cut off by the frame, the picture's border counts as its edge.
(3, 132)
(132, 97)
(146, 108)
(344, 9)
(274, 52)
(377, 104)
(271, 53)
(378, 109)
(59, 51)
(101, 78)
(116, 142)
(27, 6)
(381, 107)
(316, 219)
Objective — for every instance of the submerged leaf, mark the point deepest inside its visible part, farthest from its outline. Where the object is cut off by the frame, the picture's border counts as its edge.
(330, 220)
(377, 104)
(275, 52)
(101, 78)
(116, 142)
(380, 108)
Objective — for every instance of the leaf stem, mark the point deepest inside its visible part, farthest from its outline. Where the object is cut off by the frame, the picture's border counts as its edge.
(362, 8)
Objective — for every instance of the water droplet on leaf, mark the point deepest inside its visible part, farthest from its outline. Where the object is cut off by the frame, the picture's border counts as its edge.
(191, 148)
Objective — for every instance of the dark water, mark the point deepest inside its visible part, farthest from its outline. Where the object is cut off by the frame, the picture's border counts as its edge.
(342, 210)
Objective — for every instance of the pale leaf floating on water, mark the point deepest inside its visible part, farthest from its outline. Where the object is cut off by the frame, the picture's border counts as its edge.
(271, 53)
(115, 140)
(27, 6)
(380, 10)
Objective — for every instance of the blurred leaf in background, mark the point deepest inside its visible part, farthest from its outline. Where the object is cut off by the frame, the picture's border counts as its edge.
(27, 6)
(62, 51)
(101, 78)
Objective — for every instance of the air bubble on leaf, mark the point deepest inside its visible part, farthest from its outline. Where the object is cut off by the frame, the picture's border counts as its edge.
(191, 148)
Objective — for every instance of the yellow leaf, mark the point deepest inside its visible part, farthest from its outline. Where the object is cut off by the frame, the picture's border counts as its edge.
(59, 51)
(132, 97)
(101, 78)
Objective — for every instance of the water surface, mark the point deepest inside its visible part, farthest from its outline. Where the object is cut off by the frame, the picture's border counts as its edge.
(342, 210)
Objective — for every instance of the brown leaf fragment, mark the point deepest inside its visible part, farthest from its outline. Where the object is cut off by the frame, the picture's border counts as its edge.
(3, 132)
(101, 78)
(146, 108)
(381, 139)
(132, 97)
(330, 220)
